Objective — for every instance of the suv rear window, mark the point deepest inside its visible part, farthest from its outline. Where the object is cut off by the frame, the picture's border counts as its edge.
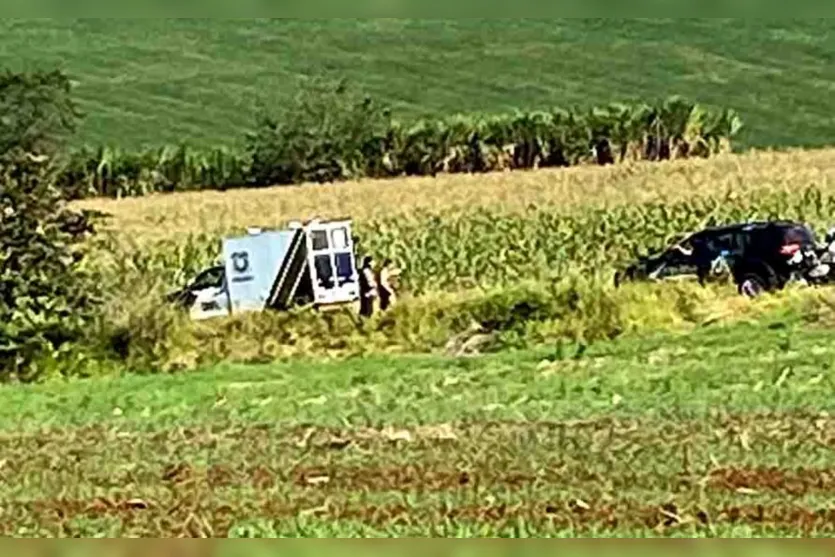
(798, 235)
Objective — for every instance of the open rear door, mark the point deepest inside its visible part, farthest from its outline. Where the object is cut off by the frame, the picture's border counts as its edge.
(252, 265)
(330, 256)
(290, 274)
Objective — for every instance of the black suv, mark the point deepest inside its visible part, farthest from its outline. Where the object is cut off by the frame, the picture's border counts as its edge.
(761, 256)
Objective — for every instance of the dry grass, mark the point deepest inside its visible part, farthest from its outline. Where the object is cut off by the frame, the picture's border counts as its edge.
(166, 216)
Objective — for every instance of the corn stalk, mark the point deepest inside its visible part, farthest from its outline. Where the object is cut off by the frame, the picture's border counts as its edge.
(375, 146)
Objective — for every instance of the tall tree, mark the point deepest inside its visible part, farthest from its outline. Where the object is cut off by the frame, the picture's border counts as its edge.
(46, 296)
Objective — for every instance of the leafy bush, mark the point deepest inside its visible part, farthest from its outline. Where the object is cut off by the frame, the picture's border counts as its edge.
(47, 296)
(38, 112)
(327, 134)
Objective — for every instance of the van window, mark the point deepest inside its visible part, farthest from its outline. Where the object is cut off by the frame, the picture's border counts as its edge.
(324, 271)
(319, 240)
(344, 268)
(340, 238)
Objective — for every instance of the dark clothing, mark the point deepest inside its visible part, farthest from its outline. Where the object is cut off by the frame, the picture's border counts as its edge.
(385, 299)
(366, 306)
(367, 292)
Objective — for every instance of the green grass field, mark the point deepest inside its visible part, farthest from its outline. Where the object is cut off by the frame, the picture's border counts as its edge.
(150, 81)
(722, 432)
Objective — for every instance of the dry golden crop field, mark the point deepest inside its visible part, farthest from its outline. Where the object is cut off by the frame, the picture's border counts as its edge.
(165, 216)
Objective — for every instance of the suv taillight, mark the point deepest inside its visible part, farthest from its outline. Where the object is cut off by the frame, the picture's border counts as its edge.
(790, 249)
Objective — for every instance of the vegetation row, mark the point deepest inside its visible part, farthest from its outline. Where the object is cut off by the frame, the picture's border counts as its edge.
(334, 134)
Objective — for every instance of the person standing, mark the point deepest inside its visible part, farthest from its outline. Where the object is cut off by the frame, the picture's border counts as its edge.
(368, 288)
(385, 288)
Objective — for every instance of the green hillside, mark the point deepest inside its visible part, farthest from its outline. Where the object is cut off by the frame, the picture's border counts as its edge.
(161, 81)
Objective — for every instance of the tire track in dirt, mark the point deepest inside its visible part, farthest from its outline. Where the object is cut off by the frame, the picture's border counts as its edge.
(436, 472)
(586, 516)
(620, 440)
(418, 477)
(406, 478)
(775, 425)
(492, 474)
(203, 517)
(797, 481)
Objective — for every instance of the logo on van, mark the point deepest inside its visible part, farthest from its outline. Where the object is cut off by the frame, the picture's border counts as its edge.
(240, 263)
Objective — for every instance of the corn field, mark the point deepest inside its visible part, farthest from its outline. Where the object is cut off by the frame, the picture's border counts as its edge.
(458, 267)
(483, 248)
(675, 128)
(113, 172)
(486, 248)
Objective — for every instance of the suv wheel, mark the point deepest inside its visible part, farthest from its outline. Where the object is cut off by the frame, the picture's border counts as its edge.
(751, 286)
